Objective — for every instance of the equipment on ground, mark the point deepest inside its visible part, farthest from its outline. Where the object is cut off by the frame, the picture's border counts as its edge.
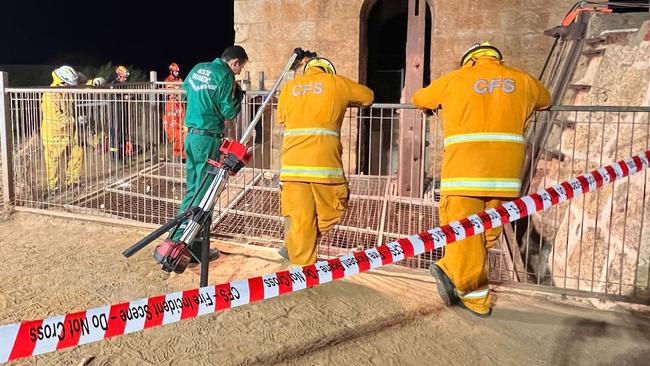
(175, 256)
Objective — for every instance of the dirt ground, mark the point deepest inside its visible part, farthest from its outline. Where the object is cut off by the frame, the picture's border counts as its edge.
(386, 317)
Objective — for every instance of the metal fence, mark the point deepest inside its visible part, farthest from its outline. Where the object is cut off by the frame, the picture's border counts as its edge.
(96, 142)
(597, 244)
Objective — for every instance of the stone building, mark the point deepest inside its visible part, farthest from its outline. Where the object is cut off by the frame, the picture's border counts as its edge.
(394, 47)
(375, 40)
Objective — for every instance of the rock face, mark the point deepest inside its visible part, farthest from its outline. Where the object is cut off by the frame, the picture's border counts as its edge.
(601, 242)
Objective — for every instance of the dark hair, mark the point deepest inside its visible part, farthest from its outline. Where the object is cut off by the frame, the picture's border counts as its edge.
(234, 53)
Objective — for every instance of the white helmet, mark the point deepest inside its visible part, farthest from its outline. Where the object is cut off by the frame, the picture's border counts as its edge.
(65, 74)
(99, 81)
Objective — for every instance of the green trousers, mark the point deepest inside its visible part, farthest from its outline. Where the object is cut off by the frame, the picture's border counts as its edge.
(198, 148)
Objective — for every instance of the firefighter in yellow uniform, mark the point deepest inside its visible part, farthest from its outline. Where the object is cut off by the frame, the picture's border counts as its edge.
(314, 187)
(58, 130)
(485, 106)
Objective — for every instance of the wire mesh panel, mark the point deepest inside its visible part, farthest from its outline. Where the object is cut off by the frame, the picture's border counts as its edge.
(265, 228)
(137, 208)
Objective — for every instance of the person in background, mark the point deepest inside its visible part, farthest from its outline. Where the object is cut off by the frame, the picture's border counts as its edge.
(174, 114)
(485, 105)
(314, 194)
(88, 132)
(119, 142)
(58, 130)
(213, 101)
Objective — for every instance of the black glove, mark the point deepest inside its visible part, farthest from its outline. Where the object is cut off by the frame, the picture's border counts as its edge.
(300, 55)
(237, 92)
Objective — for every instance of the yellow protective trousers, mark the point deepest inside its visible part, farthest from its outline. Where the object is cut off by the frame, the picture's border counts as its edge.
(53, 153)
(465, 261)
(310, 210)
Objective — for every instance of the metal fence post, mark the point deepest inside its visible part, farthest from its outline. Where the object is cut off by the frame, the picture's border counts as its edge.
(6, 143)
(153, 128)
(260, 81)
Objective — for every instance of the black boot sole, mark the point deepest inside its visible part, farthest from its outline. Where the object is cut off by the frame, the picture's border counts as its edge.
(444, 285)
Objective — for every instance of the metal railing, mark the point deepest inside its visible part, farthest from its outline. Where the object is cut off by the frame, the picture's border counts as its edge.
(110, 136)
(597, 244)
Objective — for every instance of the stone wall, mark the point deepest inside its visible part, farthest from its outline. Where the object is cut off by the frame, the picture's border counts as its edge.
(515, 27)
(270, 29)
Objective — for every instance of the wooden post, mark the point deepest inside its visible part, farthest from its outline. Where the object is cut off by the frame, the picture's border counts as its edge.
(411, 129)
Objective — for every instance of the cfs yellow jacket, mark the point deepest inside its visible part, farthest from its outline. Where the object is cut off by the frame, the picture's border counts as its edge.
(485, 106)
(312, 108)
(57, 126)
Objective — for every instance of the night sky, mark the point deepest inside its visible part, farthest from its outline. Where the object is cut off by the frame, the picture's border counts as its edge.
(140, 33)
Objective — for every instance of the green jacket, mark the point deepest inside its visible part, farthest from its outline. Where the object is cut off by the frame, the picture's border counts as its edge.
(211, 96)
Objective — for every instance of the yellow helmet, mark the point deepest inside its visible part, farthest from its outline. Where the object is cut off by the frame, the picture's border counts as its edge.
(322, 63)
(478, 50)
(64, 75)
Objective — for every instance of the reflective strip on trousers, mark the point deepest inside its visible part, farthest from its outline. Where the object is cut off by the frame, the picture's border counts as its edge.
(484, 137)
(477, 294)
(310, 132)
(481, 184)
(311, 171)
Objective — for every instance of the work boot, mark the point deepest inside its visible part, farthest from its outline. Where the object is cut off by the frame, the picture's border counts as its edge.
(478, 302)
(476, 311)
(212, 255)
(52, 191)
(446, 288)
(284, 252)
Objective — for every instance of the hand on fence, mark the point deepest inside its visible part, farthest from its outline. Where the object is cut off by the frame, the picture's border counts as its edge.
(99, 81)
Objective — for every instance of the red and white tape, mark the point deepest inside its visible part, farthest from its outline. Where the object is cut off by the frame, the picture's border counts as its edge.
(36, 337)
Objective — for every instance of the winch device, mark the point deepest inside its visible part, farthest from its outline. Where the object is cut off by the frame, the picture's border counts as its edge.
(234, 155)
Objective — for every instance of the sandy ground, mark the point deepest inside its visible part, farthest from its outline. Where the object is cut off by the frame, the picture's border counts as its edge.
(387, 317)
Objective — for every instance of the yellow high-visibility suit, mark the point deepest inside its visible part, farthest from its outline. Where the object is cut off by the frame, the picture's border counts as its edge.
(485, 106)
(58, 135)
(314, 187)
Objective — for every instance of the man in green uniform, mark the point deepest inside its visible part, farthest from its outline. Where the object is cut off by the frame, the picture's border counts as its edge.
(213, 98)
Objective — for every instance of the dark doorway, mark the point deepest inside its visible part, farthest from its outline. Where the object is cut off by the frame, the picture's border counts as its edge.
(383, 57)
(386, 45)
(382, 66)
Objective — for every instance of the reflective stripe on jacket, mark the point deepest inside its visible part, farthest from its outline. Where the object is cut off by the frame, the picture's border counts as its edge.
(485, 106)
(57, 125)
(311, 108)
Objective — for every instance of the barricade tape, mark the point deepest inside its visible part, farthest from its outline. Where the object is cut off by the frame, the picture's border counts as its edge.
(35, 337)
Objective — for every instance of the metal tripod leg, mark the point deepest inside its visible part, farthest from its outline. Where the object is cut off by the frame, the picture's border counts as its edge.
(205, 252)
